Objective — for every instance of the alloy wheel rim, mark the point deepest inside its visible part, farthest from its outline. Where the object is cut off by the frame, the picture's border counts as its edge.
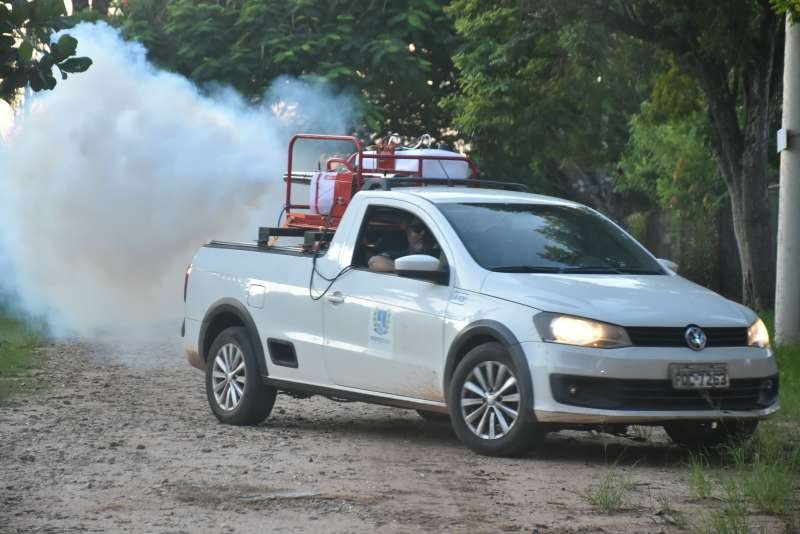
(228, 376)
(490, 400)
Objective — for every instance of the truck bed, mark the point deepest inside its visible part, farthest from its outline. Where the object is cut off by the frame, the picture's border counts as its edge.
(295, 250)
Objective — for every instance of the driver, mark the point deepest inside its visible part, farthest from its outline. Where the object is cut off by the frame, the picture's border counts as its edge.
(420, 241)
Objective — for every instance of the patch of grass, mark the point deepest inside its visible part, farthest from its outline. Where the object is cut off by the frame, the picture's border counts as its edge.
(611, 494)
(18, 338)
(670, 514)
(777, 441)
(765, 467)
(731, 517)
(768, 487)
(699, 482)
(760, 474)
(788, 357)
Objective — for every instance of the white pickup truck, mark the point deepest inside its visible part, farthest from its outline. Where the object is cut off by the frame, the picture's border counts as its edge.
(513, 313)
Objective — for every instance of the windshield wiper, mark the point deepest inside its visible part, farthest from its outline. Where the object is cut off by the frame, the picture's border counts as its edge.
(638, 270)
(591, 269)
(525, 269)
(580, 269)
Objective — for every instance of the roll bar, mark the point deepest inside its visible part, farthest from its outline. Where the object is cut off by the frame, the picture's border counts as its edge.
(318, 137)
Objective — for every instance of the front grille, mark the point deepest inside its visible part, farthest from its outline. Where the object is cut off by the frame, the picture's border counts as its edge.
(624, 394)
(645, 336)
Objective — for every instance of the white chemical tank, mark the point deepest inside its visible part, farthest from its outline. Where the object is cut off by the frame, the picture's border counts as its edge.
(431, 168)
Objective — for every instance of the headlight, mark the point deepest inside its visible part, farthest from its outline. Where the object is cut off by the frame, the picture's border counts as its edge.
(570, 330)
(757, 335)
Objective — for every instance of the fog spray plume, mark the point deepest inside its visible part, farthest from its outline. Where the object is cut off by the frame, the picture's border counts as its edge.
(109, 183)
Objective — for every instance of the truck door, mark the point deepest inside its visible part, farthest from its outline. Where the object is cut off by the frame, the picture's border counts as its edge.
(385, 333)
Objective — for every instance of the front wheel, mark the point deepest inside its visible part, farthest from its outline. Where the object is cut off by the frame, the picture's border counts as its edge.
(487, 403)
(234, 389)
(699, 434)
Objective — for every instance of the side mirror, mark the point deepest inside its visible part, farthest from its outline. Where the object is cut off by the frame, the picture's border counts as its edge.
(423, 267)
(669, 265)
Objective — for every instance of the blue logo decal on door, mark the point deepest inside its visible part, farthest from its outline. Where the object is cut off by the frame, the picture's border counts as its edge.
(381, 321)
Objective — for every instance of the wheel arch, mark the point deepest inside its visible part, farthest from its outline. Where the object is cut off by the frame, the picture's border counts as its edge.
(225, 313)
(487, 331)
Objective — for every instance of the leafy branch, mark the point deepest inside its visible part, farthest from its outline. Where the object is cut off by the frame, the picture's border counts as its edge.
(28, 54)
(783, 7)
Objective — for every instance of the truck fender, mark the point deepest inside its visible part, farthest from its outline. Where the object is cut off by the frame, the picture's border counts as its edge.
(484, 331)
(230, 312)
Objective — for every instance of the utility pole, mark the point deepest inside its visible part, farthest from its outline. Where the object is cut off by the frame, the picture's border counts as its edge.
(787, 295)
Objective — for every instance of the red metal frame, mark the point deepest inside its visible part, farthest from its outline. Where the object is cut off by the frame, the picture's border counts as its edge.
(315, 221)
(319, 137)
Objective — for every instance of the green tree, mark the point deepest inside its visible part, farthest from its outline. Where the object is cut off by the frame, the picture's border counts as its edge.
(545, 100)
(394, 55)
(668, 158)
(27, 53)
(668, 162)
(732, 51)
(525, 75)
(782, 7)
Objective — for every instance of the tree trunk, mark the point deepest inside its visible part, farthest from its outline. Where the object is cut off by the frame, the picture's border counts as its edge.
(79, 5)
(742, 157)
(755, 236)
(742, 161)
(730, 266)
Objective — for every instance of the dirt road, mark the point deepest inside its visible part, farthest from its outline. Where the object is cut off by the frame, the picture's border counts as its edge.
(126, 442)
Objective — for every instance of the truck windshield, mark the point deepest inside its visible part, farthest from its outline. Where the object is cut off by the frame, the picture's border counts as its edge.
(541, 238)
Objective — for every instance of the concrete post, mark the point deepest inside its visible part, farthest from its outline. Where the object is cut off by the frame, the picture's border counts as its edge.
(787, 297)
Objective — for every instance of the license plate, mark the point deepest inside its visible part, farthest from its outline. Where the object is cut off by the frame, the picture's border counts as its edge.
(699, 376)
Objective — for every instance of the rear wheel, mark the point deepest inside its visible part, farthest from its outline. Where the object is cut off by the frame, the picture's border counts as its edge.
(699, 434)
(234, 389)
(487, 403)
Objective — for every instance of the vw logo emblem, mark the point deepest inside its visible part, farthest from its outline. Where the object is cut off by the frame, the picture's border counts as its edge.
(695, 338)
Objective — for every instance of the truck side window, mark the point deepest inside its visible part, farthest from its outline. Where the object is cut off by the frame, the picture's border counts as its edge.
(390, 233)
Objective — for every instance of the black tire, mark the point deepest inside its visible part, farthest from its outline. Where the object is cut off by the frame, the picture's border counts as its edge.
(256, 401)
(522, 433)
(434, 417)
(709, 434)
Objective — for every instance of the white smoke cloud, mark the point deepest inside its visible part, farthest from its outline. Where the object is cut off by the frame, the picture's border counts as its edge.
(109, 183)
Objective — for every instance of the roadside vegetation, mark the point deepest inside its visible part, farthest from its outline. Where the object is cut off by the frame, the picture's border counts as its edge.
(612, 493)
(18, 357)
(759, 477)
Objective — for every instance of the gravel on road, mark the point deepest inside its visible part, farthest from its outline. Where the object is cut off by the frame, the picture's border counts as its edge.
(121, 439)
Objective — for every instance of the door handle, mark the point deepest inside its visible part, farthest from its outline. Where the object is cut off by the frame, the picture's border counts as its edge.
(336, 297)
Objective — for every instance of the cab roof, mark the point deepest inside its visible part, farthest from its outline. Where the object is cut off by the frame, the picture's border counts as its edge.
(438, 195)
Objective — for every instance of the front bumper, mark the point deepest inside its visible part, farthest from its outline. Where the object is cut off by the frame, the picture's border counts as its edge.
(624, 375)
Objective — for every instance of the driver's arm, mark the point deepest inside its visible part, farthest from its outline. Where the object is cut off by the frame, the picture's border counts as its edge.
(381, 264)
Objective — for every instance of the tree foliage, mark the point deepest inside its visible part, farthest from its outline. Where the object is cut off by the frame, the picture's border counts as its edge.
(542, 96)
(394, 55)
(27, 53)
(782, 7)
(526, 74)
(668, 158)
(668, 162)
(563, 94)
(732, 52)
